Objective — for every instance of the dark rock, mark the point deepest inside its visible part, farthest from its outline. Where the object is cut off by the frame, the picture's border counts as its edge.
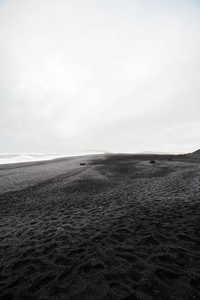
(82, 164)
(195, 154)
(152, 161)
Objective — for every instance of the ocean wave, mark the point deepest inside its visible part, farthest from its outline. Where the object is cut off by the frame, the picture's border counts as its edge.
(11, 158)
(6, 158)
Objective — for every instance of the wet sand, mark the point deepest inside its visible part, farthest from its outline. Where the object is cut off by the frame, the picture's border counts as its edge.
(117, 227)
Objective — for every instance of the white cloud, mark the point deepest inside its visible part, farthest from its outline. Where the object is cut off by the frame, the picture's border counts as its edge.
(113, 75)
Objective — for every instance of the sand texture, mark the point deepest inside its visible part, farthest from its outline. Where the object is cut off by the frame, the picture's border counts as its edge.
(115, 228)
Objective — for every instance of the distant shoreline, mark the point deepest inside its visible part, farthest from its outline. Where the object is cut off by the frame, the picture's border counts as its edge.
(145, 156)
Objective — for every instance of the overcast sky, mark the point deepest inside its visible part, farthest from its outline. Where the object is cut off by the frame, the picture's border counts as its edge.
(117, 75)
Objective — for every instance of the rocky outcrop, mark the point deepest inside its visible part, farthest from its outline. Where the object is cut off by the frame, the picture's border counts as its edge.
(195, 154)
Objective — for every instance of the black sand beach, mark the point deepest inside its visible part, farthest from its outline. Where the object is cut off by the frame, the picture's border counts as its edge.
(117, 228)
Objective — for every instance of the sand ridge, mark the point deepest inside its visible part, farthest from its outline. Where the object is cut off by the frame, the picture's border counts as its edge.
(114, 228)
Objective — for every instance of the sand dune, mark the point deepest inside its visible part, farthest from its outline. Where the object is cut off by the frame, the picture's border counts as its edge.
(117, 227)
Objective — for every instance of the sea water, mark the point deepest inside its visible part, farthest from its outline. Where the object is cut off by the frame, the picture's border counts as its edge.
(10, 158)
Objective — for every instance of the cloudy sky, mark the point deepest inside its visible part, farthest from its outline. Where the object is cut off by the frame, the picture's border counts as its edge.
(117, 75)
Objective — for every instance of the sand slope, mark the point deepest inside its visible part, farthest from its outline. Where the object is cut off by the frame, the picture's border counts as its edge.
(115, 228)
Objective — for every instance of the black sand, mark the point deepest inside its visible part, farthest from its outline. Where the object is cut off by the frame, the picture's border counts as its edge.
(117, 227)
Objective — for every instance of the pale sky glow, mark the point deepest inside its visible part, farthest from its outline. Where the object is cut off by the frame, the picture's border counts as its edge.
(99, 74)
